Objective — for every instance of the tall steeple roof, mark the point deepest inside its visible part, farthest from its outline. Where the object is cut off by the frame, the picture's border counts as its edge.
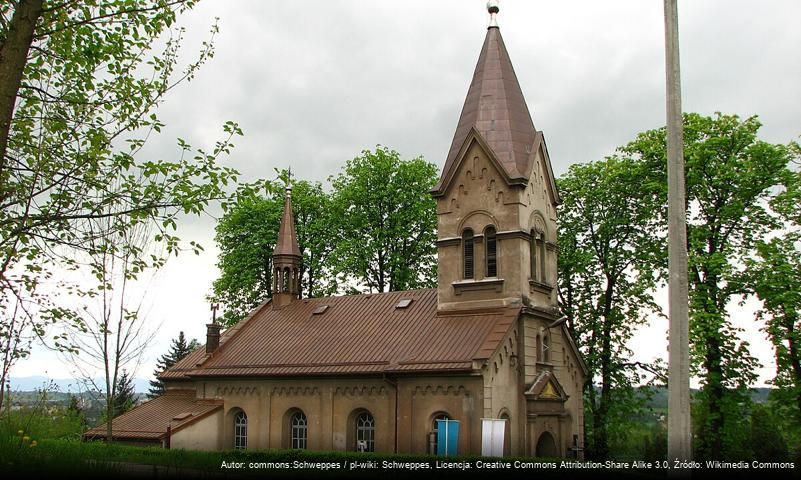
(287, 243)
(495, 107)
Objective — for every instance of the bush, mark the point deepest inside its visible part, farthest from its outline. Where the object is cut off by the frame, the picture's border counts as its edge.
(655, 444)
(765, 438)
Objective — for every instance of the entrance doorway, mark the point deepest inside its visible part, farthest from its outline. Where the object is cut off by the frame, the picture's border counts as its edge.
(546, 446)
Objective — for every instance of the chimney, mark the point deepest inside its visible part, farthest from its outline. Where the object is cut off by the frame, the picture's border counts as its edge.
(212, 337)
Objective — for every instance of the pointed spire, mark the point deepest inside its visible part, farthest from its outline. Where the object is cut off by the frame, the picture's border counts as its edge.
(286, 258)
(287, 243)
(495, 107)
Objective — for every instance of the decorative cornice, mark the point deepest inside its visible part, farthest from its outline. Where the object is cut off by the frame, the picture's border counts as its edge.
(521, 234)
(294, 391)
(448, 242)
(440, 390)
(540, 287)
(361, 391)
(495, 284)
(238, 390)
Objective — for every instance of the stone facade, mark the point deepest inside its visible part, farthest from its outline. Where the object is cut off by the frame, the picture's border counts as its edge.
(477, 198)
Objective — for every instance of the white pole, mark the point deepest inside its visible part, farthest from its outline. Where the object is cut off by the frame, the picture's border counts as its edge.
(447, 436)
(679, 425)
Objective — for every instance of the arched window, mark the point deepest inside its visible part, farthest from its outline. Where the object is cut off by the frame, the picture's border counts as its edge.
(433, 436)
(286, 281)
(491, 243)
(365, 432)
(240, 431)
(546, 347)
(298, 433)
(533, 248)
(538, 256)
(541, 257)
(539, 348)
(468, 247)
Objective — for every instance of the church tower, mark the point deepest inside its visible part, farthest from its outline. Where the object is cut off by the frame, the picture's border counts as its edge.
(286, 258)
(496, 198)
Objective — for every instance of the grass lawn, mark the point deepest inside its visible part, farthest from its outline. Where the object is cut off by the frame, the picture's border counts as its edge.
(87, 459)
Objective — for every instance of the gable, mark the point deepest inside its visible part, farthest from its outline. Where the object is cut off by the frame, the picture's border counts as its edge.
(546, 387)
(540, 149)
(472, 140)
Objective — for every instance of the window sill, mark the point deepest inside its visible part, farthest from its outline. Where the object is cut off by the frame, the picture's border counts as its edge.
(492, 283)
(540, 287)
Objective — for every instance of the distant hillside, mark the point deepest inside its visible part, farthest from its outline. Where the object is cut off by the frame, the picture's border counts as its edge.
(29, 384)
(659, 400)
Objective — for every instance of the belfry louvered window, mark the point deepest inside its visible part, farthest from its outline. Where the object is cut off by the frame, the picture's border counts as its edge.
(492, 251)
(468, 248)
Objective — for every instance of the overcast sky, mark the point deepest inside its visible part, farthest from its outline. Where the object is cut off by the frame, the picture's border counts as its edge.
(312, 83)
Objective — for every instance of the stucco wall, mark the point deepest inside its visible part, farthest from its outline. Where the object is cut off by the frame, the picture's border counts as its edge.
(330, 404)
(476, 197)
(503, 390)
(199, 435)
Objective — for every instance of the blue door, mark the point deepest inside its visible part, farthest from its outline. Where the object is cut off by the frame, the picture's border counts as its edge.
(447, 437)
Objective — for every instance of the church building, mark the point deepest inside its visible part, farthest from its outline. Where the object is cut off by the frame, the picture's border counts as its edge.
(377, 371)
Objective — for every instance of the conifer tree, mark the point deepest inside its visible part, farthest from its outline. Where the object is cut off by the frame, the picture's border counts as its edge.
(178, 350)
(125, 399)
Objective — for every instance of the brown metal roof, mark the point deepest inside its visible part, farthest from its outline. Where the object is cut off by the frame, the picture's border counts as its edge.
(357, 334)
(496, 108)
(150, 419)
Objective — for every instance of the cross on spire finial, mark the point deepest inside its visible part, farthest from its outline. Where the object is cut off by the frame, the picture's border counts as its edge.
(493, 9)
(214, 307)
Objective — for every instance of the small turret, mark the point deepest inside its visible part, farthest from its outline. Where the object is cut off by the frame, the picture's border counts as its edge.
(286, 258)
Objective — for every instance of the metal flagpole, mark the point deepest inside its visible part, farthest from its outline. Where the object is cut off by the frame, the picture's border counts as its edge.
(679, 426)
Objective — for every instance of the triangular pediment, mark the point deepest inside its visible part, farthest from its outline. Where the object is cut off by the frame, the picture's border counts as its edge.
(546, 387)
(474, 137)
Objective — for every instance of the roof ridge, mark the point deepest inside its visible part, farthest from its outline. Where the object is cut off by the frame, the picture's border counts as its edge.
(392, 292)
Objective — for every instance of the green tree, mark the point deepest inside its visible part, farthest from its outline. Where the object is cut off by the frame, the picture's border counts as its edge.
(730, 177)
(79, 86)
(765, 437)
(610, 246)
(773, 274)
(125, 397)
(179, 348)
(246, 236)
(75, 411)
(386, 220)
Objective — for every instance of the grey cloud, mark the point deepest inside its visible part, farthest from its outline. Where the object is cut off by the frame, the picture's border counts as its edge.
(313, 83)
